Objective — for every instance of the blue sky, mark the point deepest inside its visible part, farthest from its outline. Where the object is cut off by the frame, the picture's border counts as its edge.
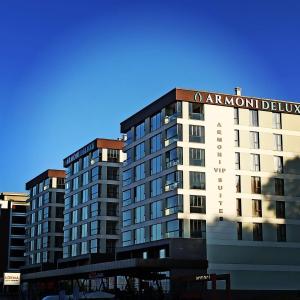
(71, 71)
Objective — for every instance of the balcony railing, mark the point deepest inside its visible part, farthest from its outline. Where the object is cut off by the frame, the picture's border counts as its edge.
(172, 186)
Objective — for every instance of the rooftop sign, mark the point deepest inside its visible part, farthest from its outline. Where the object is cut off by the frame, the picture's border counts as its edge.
(86, 149)
(247, 102)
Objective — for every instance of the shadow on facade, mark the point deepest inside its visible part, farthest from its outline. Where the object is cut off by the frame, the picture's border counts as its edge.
(262, 241)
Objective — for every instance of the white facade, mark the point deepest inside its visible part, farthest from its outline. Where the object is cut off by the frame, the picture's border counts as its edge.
(254, 233)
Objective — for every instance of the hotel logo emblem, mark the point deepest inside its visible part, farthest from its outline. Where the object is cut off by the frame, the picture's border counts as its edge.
(198, 97)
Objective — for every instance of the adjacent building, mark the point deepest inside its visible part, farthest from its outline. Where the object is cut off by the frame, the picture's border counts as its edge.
(223, 169)
(44, 228)
(12, 227)
(92, 198)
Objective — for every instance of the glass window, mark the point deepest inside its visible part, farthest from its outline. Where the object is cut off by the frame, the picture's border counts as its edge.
(197, 157)
(139, 235)
(76, 167)
(174, 157)
(281, 232)
(196, 111)
(173, 134)
(139, 171)
(197, 134)
(256, 184)
(238, 207)
(127, 177)
(156, 121)
(84, 230)
(126, 238)
(139, 213)
(156, 165)
(46, 198)
(46, 213)
(113, 155)
(96, 156)
(74, 233)
(280, 209)
(75, 200)
(255, 162)
(75, 216)
(85, 162)
(127, 220)
(74, 249)
(84, 213)
(276, 118)
(254, 140)
(239, 230)
(253, 117)
(279, 186)
(278, 164)
(173, 181)
(156, 210)
(237, 183)
(112, 209)
(197, 180)
(257, 232)
(111, 227)
(75, 183)
(95, 209)
(197, 228)
(156, 187)
(85, 195)
(236, 116)
(236, 138)
(172, 111)
(197, 204)
(112, 191)
(237, 161)
(127, 198)
(40, 215)
(139, 131)
(128, 137)
(67, 219)
(94, 228)
(173, 229)
(85, 178)
(95, 191)
(173, 205)
(139, 193)
(256, 208)
(95, 173)
(84, 247)
(277, 142)
(155, 143)
(139, 151)
(94, 246)
(156, 232)
(112, 173)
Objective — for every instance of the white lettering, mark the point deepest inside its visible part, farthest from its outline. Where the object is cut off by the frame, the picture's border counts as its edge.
(265, 104)
(209, 99)
(274, 106)
(239, 101)
(218, 99)
(249, 102)
(229, 101)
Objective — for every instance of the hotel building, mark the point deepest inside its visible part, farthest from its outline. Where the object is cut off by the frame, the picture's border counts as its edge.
(12, 228)
(220, 169)
(91, 215)
(44, 229)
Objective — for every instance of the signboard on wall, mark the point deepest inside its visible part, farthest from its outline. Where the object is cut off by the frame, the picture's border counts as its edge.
(12, 278)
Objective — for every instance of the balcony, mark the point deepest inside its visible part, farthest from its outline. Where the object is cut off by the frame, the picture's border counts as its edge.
(171, 140)
(173, 163)
(171, 118)
(172, 186)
